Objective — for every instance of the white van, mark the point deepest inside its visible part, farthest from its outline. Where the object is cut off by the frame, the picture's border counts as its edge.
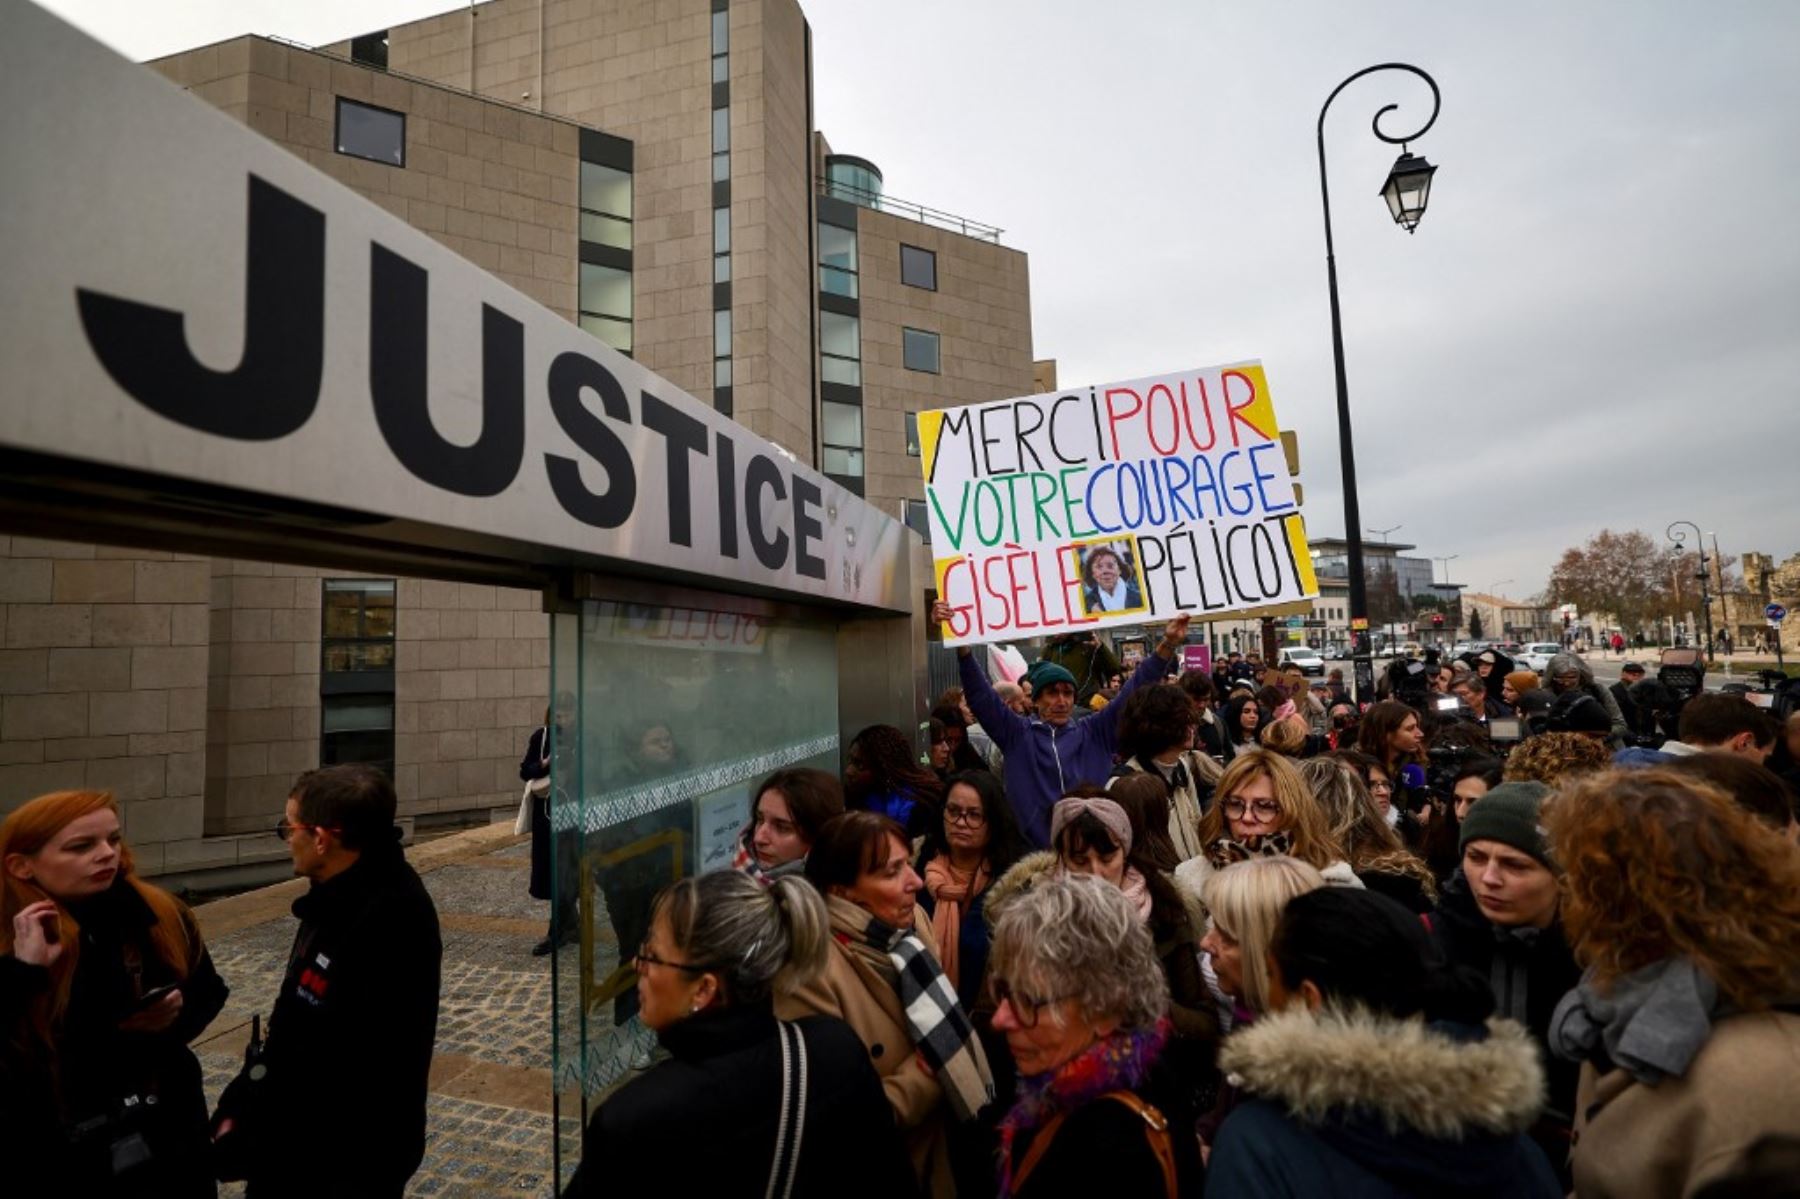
(1305, 657)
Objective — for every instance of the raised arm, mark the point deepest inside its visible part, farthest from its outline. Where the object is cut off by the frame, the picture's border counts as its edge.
(997, 720)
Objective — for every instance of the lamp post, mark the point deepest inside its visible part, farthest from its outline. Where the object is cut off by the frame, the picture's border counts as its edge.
(1381, 535)
(1407, 188)
(1680, 540)
(1493, 591)
(1447, 560)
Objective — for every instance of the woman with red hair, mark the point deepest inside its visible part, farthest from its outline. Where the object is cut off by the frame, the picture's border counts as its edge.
(103, 982)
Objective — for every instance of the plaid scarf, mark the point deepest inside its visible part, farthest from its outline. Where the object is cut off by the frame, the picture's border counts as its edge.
(939, 1027)
(744, 860)
(1225, 851)
(1120, 1062)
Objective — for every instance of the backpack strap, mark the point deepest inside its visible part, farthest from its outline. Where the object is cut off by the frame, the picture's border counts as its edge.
(1156, 1134)
(790, 1124)
(1039, 1146)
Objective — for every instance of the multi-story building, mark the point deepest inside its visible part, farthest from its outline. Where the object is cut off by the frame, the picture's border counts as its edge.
(652, 172)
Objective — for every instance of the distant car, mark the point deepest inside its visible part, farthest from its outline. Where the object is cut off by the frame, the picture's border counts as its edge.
(1537, 655)
(1306, 658)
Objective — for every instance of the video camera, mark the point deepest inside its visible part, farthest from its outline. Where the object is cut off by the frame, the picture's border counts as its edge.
(1408, 681)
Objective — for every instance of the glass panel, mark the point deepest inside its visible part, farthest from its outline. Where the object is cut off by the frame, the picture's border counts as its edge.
(615, 333)
(605, 189)
(721, 32)
(917, 520)
(842, 424)
(840, 335)
(358, 655)
(912, 435)
(721, 129)
(659, 788)
(921, 350)
(721, 167)
(722, 333)
(843, 462)
(847, 371)
(605, 230)
(605, 290)
(835, 282)
(837, 246)
(721, 230)
(355, 713)
(371, 133)
(722, 268)
(722, 372)
(918, 268)
(721, 69)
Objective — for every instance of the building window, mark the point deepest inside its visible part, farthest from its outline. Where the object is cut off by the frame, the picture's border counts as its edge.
(841, 432)
(837, 261)
(722, 348)
(377, 134)
(721, 46)
(721, 144)
(371, 49)
(920, 350)
(721, 245)
(840, 349)
(605, 206)
(917, 520)
(356, 679)
(912, 434)
(918, 268)
(606, 304)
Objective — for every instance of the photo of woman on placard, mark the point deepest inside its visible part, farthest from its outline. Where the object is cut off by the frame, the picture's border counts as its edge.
(1108, 581)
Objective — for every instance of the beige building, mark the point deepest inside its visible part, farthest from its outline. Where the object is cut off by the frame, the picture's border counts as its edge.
(650, 171)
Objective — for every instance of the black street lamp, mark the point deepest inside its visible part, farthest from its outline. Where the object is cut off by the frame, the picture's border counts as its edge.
(1407, 188)
(1680, 540)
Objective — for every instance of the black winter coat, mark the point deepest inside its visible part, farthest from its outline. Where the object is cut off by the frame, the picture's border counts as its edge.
(531, 766)
(350, 1040)
(703, 1123)
(98, 1065)
(1101, 1148)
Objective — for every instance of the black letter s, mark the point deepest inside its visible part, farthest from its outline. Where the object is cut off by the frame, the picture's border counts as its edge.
(569, 374)
(275, 386)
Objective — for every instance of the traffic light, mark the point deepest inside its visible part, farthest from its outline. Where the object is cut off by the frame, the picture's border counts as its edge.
(1437, 620)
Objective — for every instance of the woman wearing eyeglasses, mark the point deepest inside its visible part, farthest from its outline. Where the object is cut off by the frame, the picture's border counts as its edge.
(883, 979)
(1264, 809)
(976, 843)
(104, 981)
(720, 948)
(1083, 1002)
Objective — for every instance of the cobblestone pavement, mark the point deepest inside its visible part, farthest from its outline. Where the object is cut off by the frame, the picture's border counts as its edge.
(489, 1125)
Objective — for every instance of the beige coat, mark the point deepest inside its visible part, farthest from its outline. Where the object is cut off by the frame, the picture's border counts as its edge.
(1671, 1139)
(851, 990)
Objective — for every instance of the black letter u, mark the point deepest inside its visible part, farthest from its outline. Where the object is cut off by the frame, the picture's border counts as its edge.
(398, 320)
(275, 386)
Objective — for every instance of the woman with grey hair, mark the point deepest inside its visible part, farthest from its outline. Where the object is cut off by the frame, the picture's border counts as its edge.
(1082, 1001)
(788, 1108)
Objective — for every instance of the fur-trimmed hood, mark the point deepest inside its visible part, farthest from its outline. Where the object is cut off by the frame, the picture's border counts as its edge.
(1023, 875)
(1413, 1078)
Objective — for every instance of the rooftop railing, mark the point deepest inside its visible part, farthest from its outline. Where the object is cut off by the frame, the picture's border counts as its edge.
(924, 214)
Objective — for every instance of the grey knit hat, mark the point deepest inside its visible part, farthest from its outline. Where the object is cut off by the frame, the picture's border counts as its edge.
(1512, 815)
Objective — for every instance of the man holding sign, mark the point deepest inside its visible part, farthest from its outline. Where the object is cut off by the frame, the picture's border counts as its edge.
(1047, 754)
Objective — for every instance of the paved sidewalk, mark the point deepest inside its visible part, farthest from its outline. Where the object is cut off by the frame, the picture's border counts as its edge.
(489, 1130)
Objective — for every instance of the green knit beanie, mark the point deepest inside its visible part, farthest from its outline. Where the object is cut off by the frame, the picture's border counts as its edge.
(1043, 673)
(1511, 815)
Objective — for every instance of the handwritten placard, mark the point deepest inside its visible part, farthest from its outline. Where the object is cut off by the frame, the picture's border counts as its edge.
(1123, 504)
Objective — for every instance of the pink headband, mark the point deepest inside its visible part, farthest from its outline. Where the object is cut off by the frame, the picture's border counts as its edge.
(1107, 812)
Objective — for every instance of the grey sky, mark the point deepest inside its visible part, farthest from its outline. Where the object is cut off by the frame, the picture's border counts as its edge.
(1597, 324)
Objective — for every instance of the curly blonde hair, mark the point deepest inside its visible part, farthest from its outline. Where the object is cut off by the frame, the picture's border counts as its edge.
(1552, 758)
(1659, 865)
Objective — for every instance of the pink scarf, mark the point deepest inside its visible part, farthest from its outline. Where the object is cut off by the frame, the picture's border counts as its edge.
(951, 894)
(1137, 890)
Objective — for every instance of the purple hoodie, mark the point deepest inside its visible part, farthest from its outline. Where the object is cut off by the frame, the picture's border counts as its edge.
(1044, 762)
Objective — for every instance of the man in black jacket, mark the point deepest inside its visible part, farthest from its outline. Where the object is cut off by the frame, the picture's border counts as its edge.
(350, 1040)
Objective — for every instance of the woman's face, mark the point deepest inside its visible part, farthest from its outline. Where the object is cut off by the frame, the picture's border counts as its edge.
(1249, 718)
(776, 839)
(1467, 792)
(940, 753)
(1227, 959)
(1405, 739)
(666, 991)
(82, 859)
(965, 823)
(1381, 790)
(1106, 571)
(1507, 693)
(887, 891)
(657, 745)
(1044, 1032)
(1089, 860)
(1512, 889)
(1252, 809)
(856, 768)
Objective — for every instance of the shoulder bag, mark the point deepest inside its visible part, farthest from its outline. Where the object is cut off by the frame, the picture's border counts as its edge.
(791, 1124)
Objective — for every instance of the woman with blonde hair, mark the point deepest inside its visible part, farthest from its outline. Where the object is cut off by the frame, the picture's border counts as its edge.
(103, 982)
(1244, 903)
(1264, 809)
(1373, 849)
(1685, 910)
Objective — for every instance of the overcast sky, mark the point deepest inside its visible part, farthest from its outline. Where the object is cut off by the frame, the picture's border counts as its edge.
(1597, 323)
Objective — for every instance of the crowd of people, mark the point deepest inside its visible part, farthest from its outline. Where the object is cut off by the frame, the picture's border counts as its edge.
(1218, 933)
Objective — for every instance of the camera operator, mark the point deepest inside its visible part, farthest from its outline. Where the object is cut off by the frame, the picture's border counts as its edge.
(1712, 723)
(1630, 675)
(1579, 712)
(1569, 672)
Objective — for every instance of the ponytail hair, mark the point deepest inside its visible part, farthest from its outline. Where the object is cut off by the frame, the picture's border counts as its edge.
(759, 941)
(1362, 949)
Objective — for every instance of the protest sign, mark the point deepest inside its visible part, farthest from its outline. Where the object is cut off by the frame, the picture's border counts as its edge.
(1122, 504)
